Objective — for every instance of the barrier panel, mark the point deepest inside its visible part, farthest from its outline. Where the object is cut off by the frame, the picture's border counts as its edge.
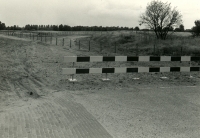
(72, 71)
(128, 58)
(128, 70)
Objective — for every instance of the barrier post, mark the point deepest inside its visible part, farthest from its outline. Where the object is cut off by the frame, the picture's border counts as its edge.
(72, 76)
(106, 79)
(190, 72)
(181, 52)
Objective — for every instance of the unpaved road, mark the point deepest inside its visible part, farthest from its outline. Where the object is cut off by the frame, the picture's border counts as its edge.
(149, 112)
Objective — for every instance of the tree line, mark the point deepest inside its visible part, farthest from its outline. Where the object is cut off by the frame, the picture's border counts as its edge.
(62, 27)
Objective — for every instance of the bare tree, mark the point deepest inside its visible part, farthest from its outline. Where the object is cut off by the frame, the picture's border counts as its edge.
(160, 17)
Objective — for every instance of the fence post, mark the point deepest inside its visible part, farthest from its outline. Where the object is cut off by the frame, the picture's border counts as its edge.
(89, 45)
(115, 48)
(100, 47)
(181, 51)
(136, 49)
(51, 38)
(79, 43)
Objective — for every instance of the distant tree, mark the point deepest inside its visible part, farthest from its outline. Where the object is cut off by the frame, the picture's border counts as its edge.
(61, 27)
(2, 26)
(55, 27)
(130, 28)
(144, 29)
(188, 30)
(171, 28)
(182, 28)
(177, 30)
(66, 28)
(136, 28)
(160, 17)
(27, 27)
(196, 29)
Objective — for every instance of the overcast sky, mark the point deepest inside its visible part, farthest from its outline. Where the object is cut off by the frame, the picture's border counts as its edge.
(87, 12)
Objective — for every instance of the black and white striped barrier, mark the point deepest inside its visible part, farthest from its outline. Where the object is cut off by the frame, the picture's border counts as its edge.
(128, 70)
(128, 58)
(74, 59)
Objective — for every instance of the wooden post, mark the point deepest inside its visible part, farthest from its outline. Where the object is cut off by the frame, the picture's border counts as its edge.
(51, 38)
(100, 47)
(115, 48)
(89, 45)
(181, 51)
(136, 49)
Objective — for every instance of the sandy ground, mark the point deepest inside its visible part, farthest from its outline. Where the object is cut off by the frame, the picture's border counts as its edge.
(124, 106)
(150, 112)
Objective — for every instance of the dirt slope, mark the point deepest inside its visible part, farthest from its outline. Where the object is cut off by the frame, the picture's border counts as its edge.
(32, 68)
